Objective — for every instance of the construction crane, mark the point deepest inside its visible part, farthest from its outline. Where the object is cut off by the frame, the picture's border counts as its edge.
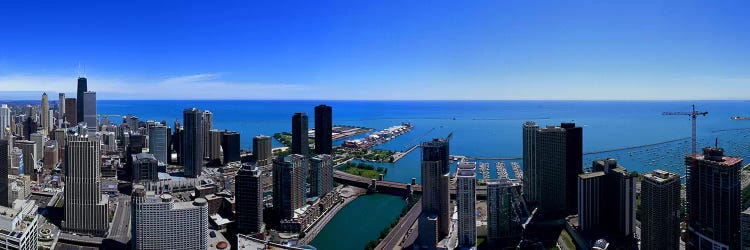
(693, 115)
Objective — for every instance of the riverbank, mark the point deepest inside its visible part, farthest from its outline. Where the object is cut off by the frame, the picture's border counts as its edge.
(359, 222)
(350, 194)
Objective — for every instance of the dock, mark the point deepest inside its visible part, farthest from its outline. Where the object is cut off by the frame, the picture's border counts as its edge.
(398, 155)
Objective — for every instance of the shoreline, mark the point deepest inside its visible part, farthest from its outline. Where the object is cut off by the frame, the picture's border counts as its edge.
(322, 222)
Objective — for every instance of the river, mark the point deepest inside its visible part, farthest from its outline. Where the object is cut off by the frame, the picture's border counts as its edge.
(359, 222)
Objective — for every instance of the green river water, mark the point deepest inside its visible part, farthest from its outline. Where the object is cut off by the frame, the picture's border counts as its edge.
(359, 222)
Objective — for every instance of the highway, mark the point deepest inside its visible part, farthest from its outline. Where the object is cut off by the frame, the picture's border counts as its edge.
(120, 227)
(404, 224)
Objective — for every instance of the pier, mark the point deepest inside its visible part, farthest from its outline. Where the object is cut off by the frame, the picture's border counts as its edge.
(398, 155)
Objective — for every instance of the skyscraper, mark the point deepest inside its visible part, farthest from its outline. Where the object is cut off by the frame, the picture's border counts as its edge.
(157, 142)
(163, 222)
(745, 229)
(503, 221)
(207, 124)
(713, 200)
(71, 113)
(6, 121)
(249, 199)
(321, 175)
(556, 188)
(230, 146)
(5, 148)
(606, 204)
(530, 171)
(660, 205)
(466, 200)
(29, 155)
(39, 146)
(323, 129)
(192, 143)
(85, 205)
(288, 185)
(214, 151)
(89, 111)
(44, 114)
(60, 110)
(82, 88)
(145, 168)
(300, 141)
(435, 192)
(262, 150)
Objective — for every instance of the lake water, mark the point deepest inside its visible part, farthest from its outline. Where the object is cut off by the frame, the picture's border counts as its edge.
(485, 128)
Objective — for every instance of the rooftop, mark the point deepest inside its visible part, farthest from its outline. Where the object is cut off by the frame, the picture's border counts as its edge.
(660, 176)
(591, 175)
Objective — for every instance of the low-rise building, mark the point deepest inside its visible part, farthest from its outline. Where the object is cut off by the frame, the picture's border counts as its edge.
(19, 226)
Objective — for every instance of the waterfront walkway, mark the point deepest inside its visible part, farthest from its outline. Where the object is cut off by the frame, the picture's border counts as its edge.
(321, 222)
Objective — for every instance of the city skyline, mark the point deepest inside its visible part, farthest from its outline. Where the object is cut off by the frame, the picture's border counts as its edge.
(664, 50)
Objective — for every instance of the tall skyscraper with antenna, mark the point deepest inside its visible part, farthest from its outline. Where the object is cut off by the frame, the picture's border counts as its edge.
(82, 88)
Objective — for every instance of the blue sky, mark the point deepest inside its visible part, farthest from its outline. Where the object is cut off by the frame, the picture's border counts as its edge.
(378, 49)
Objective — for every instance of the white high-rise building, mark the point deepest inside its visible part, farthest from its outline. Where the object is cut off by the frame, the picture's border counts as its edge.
(19, 226)
(40, 140)
(5, 120)
(157, 142)
(466, 200)
(160, 222)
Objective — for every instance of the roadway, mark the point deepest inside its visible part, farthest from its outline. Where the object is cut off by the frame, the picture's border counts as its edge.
(120, 228)
(362, 182)
(393, 239)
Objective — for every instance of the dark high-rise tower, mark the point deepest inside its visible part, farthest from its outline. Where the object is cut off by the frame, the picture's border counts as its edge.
(530, 171)
(192, 143)
(230, 145)
(714, 202)
(323, 129)
(557, 160)
(249, 199)
(660, 205)
(288, 185)
(5, 147)
(436, 195)
(82, 88)
(300, 142)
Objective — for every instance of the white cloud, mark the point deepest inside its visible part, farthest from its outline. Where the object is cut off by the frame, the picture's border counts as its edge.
(196, 86)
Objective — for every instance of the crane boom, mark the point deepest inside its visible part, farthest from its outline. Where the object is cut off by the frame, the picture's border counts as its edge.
(693, 117)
